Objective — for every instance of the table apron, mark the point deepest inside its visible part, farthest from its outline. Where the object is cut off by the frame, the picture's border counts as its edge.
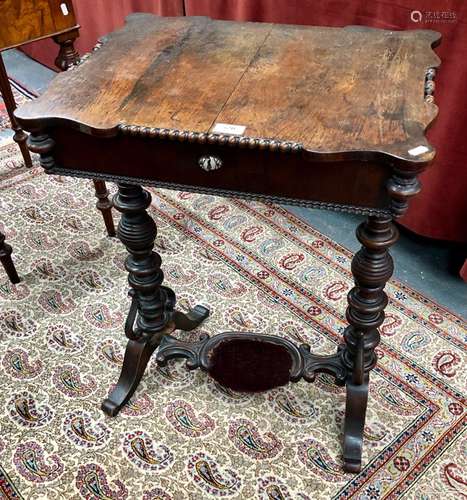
(286, 178)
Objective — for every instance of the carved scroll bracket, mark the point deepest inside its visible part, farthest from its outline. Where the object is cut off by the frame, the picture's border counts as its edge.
(233, 351)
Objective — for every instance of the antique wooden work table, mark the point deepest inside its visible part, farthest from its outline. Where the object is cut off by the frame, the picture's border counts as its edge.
(321, 117)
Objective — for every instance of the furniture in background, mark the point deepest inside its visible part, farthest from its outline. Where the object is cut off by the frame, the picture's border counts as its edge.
(266, 112)
(23, 21)
(440, 211)
(98, 17)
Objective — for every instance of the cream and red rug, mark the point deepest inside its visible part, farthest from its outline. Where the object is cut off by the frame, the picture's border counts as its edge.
(258, 268)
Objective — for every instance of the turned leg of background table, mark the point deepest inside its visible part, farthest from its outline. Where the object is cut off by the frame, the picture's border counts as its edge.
(104, 205)
(372, 267)
(20, 135)
(68, 57)
(20, 138)
(7, 262)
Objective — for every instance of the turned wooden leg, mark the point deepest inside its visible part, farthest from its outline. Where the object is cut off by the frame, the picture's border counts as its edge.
(20, 135)
(372, 267)
(104, 205)
(67, 55)
(7, 262)
(150, 312)
(20, 138)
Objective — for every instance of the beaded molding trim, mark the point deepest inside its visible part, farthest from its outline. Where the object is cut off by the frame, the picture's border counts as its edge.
(220, 192)
(86, 56)
(207, 138)
(430, 85)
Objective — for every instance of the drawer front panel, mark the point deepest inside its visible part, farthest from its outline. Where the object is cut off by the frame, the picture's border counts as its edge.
(224, 168)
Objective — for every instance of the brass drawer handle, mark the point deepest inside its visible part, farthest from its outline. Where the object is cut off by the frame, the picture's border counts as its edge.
(210, 163)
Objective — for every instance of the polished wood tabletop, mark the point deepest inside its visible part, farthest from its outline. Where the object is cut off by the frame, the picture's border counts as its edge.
(330, 90)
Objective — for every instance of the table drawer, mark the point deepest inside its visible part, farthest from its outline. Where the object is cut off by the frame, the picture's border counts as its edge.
(272, 175)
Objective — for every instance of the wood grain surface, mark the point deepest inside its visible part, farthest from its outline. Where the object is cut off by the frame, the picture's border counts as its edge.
(331, 89)
(23, 21)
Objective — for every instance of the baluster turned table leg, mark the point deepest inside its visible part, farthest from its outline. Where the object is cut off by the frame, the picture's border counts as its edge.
(152, 303)
(20, 135)
(67, 55)
(372, 267)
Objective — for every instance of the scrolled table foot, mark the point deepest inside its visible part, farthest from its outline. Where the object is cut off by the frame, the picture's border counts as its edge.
(137, 355)
(355, 412)
(110, 408)
(190, 320)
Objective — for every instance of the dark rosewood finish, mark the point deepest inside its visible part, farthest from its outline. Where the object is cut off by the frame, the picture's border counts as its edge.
(104, 205)
(349, 183)
(314, 136)
(152, 312)
(372, 267)
(291, 87)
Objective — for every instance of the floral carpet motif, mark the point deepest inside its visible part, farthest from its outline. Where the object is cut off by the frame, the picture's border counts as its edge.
(182, 436)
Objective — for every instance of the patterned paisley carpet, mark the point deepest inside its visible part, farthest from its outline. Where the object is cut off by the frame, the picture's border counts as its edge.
(183, 437)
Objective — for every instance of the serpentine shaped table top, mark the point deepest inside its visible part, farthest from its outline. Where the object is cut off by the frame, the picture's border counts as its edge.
(324, 117)
(343, 92)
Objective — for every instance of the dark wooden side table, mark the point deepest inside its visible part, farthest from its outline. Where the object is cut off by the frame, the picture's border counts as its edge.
(24, 21)
(331, 118)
